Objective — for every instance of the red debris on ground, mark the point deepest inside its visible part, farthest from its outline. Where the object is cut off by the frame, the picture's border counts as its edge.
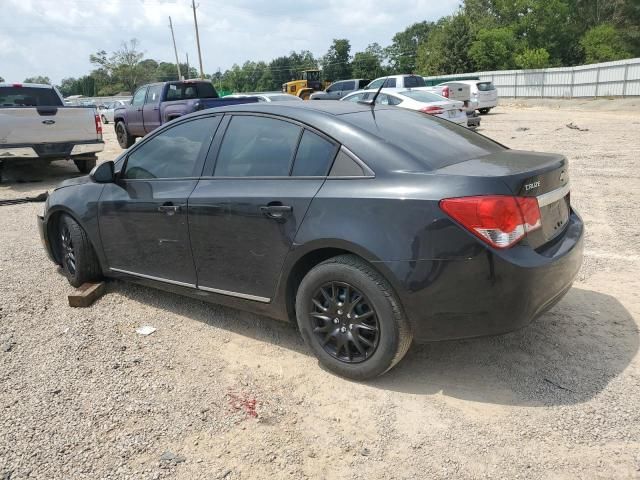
(243, 402)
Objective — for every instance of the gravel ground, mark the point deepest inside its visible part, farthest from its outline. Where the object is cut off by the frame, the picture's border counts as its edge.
(217, 393)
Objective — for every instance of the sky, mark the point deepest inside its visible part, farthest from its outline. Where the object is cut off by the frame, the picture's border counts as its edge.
(54, 38)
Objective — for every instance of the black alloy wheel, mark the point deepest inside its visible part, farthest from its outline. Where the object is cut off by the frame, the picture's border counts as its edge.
(75, 253)
(345, 322)
(67, 250)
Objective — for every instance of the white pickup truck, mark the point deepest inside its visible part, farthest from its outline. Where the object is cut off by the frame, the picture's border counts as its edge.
(460, 92)
(35, 124)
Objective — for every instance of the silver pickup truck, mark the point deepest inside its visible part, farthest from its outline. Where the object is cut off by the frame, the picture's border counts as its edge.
(35, 124)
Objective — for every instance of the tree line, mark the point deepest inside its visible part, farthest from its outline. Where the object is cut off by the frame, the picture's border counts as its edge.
(479, 35)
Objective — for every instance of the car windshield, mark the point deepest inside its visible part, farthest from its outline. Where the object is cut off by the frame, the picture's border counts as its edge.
(485, 86)
(434, 142)
(422, 96)
(28, 97)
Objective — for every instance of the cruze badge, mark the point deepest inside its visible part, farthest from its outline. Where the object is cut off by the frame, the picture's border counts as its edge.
(531, 186)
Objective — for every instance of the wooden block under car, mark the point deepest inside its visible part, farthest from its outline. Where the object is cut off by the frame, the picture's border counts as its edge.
(86, 294)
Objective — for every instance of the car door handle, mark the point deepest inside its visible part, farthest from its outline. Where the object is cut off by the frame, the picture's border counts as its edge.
(275, 211)
(169, 209)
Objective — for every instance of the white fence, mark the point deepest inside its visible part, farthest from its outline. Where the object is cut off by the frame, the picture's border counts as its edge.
(611, 79)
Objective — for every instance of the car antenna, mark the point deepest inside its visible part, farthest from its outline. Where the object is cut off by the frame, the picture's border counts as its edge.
(372, 102)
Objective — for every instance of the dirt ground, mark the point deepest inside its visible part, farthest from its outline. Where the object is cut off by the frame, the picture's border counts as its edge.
(218, 393)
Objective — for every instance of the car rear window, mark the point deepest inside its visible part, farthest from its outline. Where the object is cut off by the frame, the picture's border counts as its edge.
(422, 96)
(414, 81)
(28, 97)
(434, 142)
(486, 86)
(283, 98)
(189, 90)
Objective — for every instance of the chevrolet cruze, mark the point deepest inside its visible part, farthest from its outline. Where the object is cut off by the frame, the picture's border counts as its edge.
(369, 227)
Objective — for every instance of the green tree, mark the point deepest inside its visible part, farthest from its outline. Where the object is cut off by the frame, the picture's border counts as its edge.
(38, 79)
(493, 49)
(447, 48)
(404, 47)
(533, 58)
(124, 66)
(604, 43)
(336, 64)
(369, 63)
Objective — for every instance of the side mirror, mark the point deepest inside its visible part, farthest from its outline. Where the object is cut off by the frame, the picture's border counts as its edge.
(103, 173)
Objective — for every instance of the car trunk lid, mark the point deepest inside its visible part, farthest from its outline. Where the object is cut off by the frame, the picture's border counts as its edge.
(527, 174)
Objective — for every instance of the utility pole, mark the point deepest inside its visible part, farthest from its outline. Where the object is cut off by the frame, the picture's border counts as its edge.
(195, 20)
(175, 50)
(188, 68)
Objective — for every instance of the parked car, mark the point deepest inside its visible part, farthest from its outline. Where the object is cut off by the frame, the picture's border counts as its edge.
(461, 92)
(337, 90)
(36, 124)
(268, 96)
(106, 113)
(484, 92)
(415, 99)
(370, 227)
(158, 103)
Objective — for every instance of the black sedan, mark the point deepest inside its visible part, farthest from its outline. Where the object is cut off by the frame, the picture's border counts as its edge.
(371, 227)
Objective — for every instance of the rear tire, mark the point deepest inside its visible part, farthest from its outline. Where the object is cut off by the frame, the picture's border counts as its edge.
(85, 166)
(125, 140)
(75, 253)
(351, 318)
(484, 111)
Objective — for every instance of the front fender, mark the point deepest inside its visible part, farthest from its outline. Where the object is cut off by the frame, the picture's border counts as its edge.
(81, 203)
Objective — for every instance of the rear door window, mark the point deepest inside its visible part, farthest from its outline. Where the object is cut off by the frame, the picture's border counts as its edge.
(257, 147)
(190, 90)
(314, 156)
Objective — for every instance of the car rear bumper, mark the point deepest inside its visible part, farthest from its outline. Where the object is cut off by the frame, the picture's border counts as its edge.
(50, 150)
(491, 293)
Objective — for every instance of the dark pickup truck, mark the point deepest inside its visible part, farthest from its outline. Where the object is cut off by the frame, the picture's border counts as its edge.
(158, 103)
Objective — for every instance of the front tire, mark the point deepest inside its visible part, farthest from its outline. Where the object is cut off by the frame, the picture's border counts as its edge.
(85, 166)
(351, 319)
(75, 253)
(125, 140)
(484, 111)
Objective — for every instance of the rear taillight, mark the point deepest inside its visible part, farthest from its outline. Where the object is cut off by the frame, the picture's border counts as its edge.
(445, 92)
(432, 110)
(499, 220)
(98, 125)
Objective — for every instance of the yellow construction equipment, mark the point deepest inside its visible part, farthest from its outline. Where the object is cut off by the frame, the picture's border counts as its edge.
(304, 88)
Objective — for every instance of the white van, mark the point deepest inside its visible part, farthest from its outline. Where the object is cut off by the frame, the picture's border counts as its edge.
(485, 92)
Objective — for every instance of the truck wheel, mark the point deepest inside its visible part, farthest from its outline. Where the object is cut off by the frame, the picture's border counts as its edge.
(125, 140)
(350, 317)
(75, 253)
(85, 165)
(484, 111)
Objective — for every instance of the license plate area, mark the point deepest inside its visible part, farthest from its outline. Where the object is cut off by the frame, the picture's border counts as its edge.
(555, 217)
